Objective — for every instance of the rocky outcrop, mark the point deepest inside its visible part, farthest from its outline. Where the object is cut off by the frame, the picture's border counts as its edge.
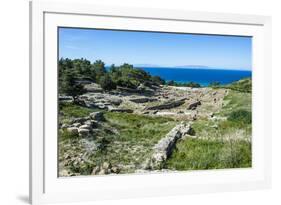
(163, 149)
(167, 105)
(84, 126)
(140, 89)
(97, 116)
(105, 168)
(113, 109)
(115, 101)
(143, 100)
(193, 105)
(83, 132)
(93, 87)
(128, 90)
(65, 99)
(72, 130)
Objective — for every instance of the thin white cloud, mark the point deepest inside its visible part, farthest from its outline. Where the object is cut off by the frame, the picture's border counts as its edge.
(71, 47)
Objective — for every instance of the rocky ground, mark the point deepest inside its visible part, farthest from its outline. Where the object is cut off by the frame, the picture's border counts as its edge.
(126, 131)
(177, 102)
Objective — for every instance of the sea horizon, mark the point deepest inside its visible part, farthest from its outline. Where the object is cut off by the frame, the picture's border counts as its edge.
(203, 76)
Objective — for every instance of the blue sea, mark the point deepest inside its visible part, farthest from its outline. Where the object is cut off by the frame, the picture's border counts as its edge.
(199, 75)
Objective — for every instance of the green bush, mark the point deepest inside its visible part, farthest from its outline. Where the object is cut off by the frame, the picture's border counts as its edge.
(243, 85)
(192, 85)
(241, 116)
(65, 135)
(107, 83)
(214, 84)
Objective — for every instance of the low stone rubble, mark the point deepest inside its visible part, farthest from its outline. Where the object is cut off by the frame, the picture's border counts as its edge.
(113, 109)
(193, 105)
(169, 99)
(167, 105)
(163, 149)
(84, 126)
(105, 168)
(143, 100)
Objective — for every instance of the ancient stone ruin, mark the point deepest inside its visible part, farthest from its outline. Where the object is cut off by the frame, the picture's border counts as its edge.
(163, 149)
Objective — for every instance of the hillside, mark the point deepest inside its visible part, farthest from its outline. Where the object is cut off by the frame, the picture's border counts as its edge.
(155, 128)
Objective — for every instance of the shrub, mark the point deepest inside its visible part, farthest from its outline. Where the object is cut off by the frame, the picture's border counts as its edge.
(107, 83)
(214, 84)
(171, 82)
(192, 85)
(243, 85)
(241, 116)
(65, 135)
(68, 85)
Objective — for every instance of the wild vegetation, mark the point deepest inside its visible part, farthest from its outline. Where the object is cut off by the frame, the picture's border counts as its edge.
(222, 143)
(115, 120)
(80, 70)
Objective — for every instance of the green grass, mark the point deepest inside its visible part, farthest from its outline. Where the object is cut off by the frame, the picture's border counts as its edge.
(196, 154)
(240, 116)
(137, 135)
(236, 100)
(64, 135)
(71, 110)
(243, 85)
(124, 140)
(220, 143)
(134, 127)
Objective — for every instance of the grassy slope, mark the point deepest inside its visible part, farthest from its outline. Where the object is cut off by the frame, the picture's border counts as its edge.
(136, 135)
(243, 85)
(223, 149)
(128, 147)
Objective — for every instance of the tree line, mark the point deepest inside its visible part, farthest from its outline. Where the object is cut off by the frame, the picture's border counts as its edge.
(72, 71)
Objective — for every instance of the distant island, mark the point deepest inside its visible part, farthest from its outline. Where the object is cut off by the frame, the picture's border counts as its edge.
(162, 66)
(185, 67)
(192, 66)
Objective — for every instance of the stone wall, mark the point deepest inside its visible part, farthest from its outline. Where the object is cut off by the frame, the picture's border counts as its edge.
(163, 149)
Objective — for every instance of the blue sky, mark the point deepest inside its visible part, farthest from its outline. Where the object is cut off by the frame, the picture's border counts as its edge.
(163, 49)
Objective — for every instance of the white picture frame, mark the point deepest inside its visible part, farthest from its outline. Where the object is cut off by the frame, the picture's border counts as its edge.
(46, 187)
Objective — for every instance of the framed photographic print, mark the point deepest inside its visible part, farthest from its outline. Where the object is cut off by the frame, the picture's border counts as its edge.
(130, 102)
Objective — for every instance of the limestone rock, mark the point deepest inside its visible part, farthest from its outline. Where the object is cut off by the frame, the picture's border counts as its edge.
(143, 100)
(167, 105)
(193, 105)
(103, 172)
(85, 127)
(112, 109)
(93, 87)
(72, 130)
(63, 126)
(95, 170)
(84, 132)
(91, 123)
(115, 101)
(106, 165)
(77, 124)
(163, 149)
(115, 170)
(97, 116)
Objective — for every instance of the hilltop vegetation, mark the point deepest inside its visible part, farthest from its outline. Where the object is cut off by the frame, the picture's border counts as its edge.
(107, 130)
(222, 143)
(243, 85)
(79, 70)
